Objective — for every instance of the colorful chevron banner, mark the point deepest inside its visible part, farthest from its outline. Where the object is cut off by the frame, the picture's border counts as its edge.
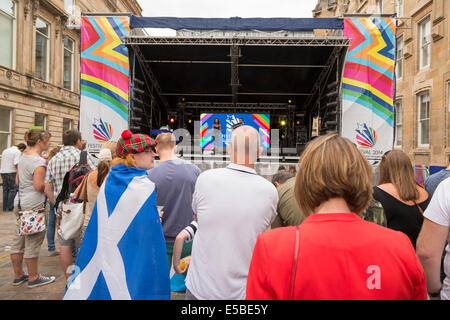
(104, 79)
(422, 172)
(368, 85)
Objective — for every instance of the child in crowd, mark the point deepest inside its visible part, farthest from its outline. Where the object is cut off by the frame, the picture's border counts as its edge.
(187, 234)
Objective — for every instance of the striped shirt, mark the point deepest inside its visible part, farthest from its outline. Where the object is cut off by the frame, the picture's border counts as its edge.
(190, 230)
(61, 163)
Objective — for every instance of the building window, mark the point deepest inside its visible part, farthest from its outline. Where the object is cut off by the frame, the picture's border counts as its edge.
(380, 6)
(40, 120)
(8, 33)
(67, 124)
(68, 63)
(423, 119)
(399, 58)
(399, 8)
(42, 50)
(68, 6)
(424, 41)
(5, 129)
(398, 123)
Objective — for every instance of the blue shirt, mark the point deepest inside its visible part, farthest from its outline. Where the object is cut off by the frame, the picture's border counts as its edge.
(433, 181)
(175, 183)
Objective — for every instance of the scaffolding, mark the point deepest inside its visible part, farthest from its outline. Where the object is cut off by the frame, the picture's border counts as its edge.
(172, 60)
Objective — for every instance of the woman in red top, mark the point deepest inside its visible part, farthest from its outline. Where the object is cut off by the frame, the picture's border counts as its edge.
(334, 254)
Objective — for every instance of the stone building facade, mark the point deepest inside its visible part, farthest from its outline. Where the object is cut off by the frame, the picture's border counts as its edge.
(422, 72)
(40, 68)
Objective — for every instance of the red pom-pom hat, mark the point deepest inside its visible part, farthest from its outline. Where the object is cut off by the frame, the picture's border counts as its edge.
(133, 143)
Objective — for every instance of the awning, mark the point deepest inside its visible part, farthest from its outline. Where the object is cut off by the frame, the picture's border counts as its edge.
(237, 23)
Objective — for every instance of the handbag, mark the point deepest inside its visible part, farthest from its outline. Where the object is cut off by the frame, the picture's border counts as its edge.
(31, 222)
(80, 193)
(72, 212)
(70, 219)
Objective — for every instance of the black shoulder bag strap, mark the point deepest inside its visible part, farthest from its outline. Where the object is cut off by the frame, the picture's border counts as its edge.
(83, 157)
(418, 207)
(63, 194)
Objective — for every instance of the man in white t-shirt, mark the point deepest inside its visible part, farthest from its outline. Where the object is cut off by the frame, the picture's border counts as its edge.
(233, 205)
(8, 170)
(432, 239)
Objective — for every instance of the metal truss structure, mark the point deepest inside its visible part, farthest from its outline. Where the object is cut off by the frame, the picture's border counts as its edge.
(243, 107)
(239, 41)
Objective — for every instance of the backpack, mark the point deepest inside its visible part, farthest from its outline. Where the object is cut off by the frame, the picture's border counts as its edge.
(73, 178)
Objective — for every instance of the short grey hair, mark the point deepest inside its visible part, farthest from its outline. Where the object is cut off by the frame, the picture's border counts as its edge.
(282, 176)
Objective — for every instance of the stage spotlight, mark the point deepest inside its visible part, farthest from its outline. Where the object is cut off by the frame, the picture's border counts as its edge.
(298, 122)
(172, 120)
(190, 121)
(283, 123)
(289, 101)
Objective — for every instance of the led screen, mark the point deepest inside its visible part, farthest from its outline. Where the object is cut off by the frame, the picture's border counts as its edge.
(228, 121)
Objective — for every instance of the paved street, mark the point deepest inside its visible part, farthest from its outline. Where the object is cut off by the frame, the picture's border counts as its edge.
(47, 266)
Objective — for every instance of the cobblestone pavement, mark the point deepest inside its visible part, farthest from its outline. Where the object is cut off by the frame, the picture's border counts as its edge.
(48, 266)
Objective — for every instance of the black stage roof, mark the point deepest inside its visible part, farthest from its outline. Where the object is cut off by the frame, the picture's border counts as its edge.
(265, 69)
(240, 70)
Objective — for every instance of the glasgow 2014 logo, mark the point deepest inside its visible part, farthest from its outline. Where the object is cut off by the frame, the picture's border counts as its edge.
(365, 136)
(103, 131)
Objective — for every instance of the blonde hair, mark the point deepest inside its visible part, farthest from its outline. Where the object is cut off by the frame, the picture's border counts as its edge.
(53, 152)
(32, 136)
(112, 146)
(104, 166)
(332, 167)
(166, 141)
(396, 168)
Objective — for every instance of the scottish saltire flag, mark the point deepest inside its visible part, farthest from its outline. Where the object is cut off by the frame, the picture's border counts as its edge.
(123, 254)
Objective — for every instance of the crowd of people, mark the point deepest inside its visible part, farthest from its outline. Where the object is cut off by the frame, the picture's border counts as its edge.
(318, 230)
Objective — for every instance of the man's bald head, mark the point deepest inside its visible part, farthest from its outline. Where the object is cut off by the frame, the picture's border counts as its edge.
(244, 148)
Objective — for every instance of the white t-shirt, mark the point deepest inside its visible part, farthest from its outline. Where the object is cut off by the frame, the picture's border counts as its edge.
(233, 205)
(438, 211)
(10, 158)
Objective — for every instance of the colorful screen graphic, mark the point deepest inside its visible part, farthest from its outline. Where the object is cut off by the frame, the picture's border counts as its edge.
(227, 121)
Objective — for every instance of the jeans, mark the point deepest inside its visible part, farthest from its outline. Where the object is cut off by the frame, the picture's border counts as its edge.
(9, 190)
(51, 228)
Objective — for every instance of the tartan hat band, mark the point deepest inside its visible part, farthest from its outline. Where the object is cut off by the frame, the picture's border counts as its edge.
(133, 143)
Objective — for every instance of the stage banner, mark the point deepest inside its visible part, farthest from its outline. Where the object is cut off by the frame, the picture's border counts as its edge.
(104, 79)
(422, 172)
(368, 85)
(260, 122)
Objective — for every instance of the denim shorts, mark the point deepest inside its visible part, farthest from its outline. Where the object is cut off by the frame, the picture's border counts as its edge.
(75, 242)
